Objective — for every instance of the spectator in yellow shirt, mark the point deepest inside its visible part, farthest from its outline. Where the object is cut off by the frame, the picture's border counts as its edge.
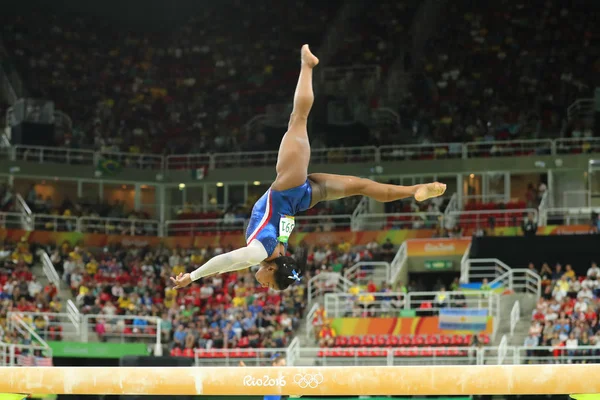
(239, 301)
(92, 267)
(178, 269)
(197, 259)
(124, 302)
(170, 296)
(569, 273)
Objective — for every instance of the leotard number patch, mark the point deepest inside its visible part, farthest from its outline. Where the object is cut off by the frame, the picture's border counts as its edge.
(286, 226)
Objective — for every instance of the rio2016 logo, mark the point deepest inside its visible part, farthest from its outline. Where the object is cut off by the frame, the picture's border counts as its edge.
(264, 381)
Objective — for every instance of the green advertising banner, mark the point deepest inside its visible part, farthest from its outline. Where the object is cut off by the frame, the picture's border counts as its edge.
(97, 350)
(438, 264)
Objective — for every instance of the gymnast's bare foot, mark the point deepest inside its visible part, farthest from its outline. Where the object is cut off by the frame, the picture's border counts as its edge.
(429, 190)
(308, 58)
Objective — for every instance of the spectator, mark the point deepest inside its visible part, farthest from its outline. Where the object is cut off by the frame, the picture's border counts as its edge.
(326, 335)
(529, 226)
(531, 342)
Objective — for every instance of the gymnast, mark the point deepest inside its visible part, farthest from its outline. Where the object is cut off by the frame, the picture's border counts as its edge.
(294, 191)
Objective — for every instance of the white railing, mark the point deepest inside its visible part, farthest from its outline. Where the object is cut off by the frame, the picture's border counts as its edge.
(569, 216)
(456, 299)
(74, 326)
(398, 262)
(339, 305)
(15, 355)
(499, 274)
(581, 107)
(16, 323)
(502, 350)
(56, 326)
(361, 208)
(308, 320)
(293, 351)
(14, 220)
(74, 316)
(25, 211)
(367, 154)
(185, 227)
(509, 148)
(420, 220)
(577, 145)
(499, 217)
(123, 328)
(119, 226)
(55, 223)
(403, 355)
(557, 355)
(327, 282)
(464, 265)
(372, 356)
(453, 206)
(515, 316)
(323, 223)
(363, 304)
(363, 272)
(421, 152)
(49, 270)
(251, 357)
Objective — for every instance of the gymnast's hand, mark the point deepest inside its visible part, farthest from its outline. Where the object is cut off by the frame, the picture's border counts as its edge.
(182, 280)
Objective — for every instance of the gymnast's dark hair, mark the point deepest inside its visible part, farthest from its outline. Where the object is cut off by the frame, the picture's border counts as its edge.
(287, 272)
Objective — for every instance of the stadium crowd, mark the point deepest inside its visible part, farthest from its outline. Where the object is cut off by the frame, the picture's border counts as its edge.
(566, 316)
(493, 71)
(490, 62)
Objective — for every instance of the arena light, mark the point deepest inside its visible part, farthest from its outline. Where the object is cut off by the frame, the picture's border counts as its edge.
(310, 381)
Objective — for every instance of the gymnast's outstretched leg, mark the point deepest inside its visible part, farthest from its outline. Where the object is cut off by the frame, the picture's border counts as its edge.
(332, 187)
(294, 150)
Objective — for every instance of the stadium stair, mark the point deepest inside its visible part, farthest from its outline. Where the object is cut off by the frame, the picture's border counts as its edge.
(527, 303)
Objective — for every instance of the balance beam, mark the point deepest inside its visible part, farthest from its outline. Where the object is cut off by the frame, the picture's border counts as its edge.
(260, 381)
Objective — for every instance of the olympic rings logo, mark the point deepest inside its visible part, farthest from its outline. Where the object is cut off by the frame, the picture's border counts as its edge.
(308, 380)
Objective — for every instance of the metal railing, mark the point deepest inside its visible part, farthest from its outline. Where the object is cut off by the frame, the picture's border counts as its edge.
(496, 217)
(13, 220)
(509, 148)
(119, 226)
(232, 357)
(17, 324)
(568, 216)
(308, 320)
(327, 282)
(499, 274)
(56, 326)
(515, 317)
(191, 227)
(361, 208)
(368, 154)
(23, 208)
(15, 355)
(49, 269)
(123, 328)
(398, 263)
(363, 272)
(421, 152)
(419, 220)
(323, 223)
(557, 355)
(387, 304)
(407, 355)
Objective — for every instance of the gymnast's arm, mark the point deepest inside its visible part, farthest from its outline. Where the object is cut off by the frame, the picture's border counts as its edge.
(242, 258)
